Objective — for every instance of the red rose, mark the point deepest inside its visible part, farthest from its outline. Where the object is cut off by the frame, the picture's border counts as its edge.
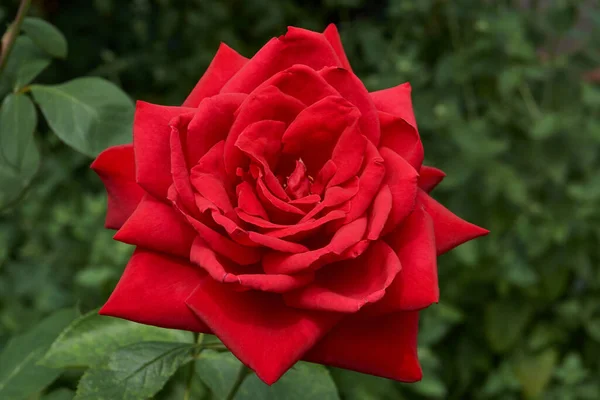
(283, 208)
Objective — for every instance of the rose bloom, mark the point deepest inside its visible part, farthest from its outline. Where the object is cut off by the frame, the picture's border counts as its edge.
(285, 209)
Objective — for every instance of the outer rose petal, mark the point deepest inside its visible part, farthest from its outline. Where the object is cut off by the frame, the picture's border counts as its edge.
(430, 177)
(348, 285)
(396, 101)
(224, 65)
(333, 37)
(385, 346)
(156, 226)
(297, 46)
(450, 230)
(116, 167)
(259, 328)
(151, 143)
(153, 290)
(416, 286)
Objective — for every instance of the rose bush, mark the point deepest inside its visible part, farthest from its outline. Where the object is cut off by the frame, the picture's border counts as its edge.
(285, 209)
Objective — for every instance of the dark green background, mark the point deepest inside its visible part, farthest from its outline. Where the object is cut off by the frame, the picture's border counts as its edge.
(503, 108)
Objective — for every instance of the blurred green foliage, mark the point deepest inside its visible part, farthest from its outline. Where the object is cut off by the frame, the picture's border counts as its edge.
(506, 116)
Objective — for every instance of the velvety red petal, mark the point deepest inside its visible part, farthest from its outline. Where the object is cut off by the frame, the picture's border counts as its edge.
(157, 226)
(348, 285)
(240, 254)
(430, 177)
(222, 271)
(298, 184)
(179, 166)
(333, 37)
(261, 142)
(303, 83)
(267, 103)
(348, 155)
(380, 211)
(300, 230)
(347, 236)
(352, 89)
(323, 177)
(151, 143)
(416, 286)
(259, 328)
(396, 101)
(400, 136)
(385, 346)
(226, 63)
(335, 196)
(116, 168)
(450, 230)
(211, 124)
(297, 46)
(248, 202)
(153, 290)
(210, 180)
(369, 182)
(401, 177)
(279, 211)
(314, 133)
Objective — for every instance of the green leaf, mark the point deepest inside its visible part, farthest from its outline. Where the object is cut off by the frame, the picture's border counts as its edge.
(218, 371)
(19, 156)
(504, 324)
(88, 114)
(303, 382)
(20, 377)
(89, 339)
(26, 61)
(137, 371)
(46, 36)
(357, 386)
(60, 394)
(534, 372)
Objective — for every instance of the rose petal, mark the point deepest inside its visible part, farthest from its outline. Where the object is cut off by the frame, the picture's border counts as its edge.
(153, 291)
(261, 142)
(116, 168)
(323, 177)
(211, 124)
(222, 271)
(151, 142)
(352, 89)
(334, 196)
(333, 37)
(400, 136)
(298, 184)
(416, 286)
(301, 230)
(156, 226)
(226, 63)
(347, 236)
(396, 101)
(369, 182)
(384, 346)
(450, 230)
(248, 202)
(279, 211)
(179, 167)
(401, 177)
(301, 82)
(430, 177)
(259, 328)
(315, 131)
(267, 103)
(242, 255)
(348, 155)
(348, 285)
(380, 211)
(297, 46)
